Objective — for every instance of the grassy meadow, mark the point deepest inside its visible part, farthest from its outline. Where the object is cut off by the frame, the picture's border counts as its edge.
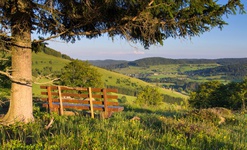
(169, 127)
(41, 60)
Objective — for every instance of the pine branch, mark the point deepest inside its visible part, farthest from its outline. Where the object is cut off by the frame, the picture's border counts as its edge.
(47, 77)
(48, 82)
(16, 80)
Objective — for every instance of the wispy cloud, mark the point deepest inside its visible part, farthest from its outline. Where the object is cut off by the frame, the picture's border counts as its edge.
(139, 52)
(135, 52)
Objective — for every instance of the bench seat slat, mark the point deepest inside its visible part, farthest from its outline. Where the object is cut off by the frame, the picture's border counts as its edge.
(85, 102)
(82, 101)
(81, 95)
(79, 89)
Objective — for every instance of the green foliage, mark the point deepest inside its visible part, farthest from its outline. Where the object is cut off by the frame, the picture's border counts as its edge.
(213, 94)
(80, 74)
(149, 96)
(173, 100)
(202, 97)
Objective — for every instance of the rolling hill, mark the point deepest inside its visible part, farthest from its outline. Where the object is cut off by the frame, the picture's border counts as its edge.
(42, 61)
(153, 61)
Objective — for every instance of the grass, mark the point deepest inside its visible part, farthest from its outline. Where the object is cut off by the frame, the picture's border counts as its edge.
(41, 60)
(36, 86)
(174, 93)
(158, 128)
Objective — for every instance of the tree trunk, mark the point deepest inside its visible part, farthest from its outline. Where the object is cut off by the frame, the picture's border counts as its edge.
(21, 106)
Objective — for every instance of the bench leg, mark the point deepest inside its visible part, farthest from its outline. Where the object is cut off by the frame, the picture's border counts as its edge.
(54, 110)
(105, 115)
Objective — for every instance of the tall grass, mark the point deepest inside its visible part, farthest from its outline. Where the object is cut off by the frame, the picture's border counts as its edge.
(154, 128)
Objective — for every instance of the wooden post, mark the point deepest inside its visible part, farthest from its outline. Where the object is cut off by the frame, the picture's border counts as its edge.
(105, 102)
(49, 98)
(91, 101)
(60, 100)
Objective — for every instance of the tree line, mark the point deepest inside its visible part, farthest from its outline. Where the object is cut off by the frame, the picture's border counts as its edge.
(231, 71)
(50, 51)
(152, 61)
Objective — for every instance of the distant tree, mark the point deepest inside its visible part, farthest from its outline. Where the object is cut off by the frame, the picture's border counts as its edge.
(149, 96)
(66, 57)
(35, 72)
(123, 99)
(80, 74)
(146, 21)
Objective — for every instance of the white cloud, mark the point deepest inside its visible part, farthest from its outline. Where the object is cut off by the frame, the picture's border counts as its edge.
(139, 52)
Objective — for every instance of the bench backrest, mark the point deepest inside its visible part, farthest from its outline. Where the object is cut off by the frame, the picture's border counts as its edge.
(64, 94)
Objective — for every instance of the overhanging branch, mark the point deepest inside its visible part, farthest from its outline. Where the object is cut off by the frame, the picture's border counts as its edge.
(47, 77)
(48, 82)
(49, 38)
(22, 81)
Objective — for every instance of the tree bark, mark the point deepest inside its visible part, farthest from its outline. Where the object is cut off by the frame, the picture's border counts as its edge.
(21, 105)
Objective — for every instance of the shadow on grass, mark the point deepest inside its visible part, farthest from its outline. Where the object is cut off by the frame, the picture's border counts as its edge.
(160, 112)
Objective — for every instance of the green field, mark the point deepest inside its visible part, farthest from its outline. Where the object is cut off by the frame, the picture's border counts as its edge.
(171, 68)
(171, 73)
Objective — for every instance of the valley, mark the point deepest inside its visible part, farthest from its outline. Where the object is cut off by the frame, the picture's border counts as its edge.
(181, 75)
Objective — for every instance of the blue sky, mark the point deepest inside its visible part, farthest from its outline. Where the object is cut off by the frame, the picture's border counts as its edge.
(231, 42)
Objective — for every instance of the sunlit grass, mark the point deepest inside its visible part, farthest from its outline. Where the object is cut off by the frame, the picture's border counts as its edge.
(41, 60)
(159, 128)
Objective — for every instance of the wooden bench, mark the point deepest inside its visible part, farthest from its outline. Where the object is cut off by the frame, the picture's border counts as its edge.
(58, 98)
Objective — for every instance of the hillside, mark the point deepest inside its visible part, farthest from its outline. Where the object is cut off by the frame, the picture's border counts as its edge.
(48, 63)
